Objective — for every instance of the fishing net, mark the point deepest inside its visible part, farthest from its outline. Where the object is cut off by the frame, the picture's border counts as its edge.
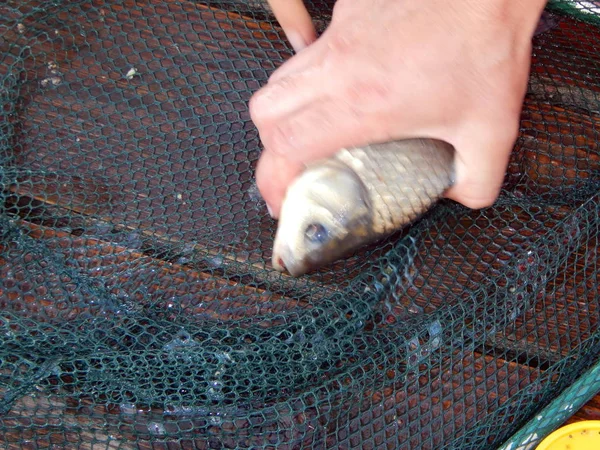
(138, 306)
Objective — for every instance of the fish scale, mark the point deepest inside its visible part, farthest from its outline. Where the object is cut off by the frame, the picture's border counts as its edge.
(404, 178)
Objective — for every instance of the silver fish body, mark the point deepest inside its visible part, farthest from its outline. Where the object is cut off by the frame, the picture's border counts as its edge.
(356, 197)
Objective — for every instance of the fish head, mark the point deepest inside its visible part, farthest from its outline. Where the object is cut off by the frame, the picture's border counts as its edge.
(325, 215)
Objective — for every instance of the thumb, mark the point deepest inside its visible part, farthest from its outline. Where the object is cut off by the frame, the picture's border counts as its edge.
(273, 175)
(481, 161)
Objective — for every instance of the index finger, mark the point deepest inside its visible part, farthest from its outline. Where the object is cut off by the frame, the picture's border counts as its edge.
(296, 22)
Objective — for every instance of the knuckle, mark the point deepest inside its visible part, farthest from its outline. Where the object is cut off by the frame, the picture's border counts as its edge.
(279, 138)
(317, 124)
(283, 84)
(264, 178)
(343, 42)
(368, 94)
(256, 108)
(340, 7)
(297, 137)
(262, 101)
(263, 183)
(267, 189)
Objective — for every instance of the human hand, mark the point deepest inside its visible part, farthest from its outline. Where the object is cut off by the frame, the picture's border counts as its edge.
(394, 69)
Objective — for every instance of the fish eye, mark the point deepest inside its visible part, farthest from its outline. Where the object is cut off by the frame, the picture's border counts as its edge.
(316, 233)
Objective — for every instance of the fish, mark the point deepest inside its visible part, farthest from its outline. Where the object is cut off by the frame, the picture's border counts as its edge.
(357, 197)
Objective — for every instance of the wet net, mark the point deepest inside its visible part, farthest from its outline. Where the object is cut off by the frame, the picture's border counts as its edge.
(138, 306)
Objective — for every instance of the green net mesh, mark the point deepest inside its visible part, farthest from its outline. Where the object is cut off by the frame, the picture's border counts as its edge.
(138, 306)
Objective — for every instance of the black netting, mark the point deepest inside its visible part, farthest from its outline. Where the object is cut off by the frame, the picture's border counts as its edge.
(138, 304)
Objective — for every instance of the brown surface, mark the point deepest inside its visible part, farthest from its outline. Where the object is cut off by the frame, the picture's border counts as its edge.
(589, 411)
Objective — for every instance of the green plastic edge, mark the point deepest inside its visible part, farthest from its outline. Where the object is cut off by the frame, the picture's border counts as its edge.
(568, 7)
(557, 412)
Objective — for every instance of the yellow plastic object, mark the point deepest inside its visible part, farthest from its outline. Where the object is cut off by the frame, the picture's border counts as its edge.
(583, 435)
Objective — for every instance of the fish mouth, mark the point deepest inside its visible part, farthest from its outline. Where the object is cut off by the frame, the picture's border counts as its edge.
(284, 261)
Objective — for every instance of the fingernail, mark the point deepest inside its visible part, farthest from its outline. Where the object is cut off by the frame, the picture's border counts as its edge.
(270, 210)
(297, 41)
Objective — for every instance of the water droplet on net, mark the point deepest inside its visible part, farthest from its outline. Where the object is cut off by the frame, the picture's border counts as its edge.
(435, 328)
(182, 260)
(216, 262)
(188, 248)
(181, 340)
(254, 193)
(415, 309)
(299, 337)
(224, 357)
(128, 408)
(156, 428)
(215, 394)
(413, 344)
(215, 420)
(216, 384)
